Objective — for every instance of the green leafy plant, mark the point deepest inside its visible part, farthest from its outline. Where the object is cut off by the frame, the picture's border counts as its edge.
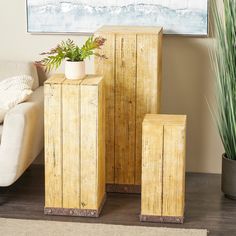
(68, 50)
(224, 61)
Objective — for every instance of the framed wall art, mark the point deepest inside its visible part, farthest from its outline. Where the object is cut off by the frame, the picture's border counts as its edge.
(184, 17)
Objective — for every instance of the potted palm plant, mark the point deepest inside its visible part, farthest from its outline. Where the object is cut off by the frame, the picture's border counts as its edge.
(74, 56)
(224, 58)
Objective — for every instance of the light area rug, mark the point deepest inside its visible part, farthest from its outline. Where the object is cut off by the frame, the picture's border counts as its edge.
(13, 227)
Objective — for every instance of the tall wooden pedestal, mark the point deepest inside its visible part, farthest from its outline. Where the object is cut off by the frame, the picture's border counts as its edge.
(132, 75)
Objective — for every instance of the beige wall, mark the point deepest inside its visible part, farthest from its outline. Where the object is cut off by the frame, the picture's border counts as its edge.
(187, 79)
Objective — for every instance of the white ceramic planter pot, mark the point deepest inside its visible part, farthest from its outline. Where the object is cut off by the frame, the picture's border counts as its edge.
(75, 70)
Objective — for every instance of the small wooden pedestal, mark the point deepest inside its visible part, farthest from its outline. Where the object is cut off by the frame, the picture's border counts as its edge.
(74, 146)
(163, 168)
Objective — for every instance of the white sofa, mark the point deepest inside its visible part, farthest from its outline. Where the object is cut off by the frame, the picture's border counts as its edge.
(21, 134)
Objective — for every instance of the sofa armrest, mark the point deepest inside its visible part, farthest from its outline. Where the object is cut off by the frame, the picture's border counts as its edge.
(22, 137)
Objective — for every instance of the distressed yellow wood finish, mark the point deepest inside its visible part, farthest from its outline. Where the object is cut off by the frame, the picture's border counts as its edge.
(74, 145)
(125, 109)
(163, 168)
(107, 69)
(53, 142)
(89, 148)
(71, 143)
(132, 75)
(128, 30)
(148, 88)
(101, 185)
(152, 169)
(174, 170)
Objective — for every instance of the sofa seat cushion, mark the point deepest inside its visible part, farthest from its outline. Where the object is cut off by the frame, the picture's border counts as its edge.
(11, 68)
(1, 129)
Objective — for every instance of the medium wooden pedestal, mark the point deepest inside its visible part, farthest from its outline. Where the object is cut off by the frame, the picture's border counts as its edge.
(132, 75)
(74, 146)
(163, 168)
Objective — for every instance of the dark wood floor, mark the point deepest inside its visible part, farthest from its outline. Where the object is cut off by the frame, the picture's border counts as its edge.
(206, 207)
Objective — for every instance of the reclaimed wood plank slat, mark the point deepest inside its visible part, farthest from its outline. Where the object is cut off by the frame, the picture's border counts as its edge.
(71, 143)
(106, 68)
(125, 109)
(53, 144)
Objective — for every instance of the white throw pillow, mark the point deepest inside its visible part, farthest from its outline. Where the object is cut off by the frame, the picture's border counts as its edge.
(13, 91)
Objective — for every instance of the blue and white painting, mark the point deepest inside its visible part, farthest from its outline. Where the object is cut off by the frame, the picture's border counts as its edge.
(188, 17)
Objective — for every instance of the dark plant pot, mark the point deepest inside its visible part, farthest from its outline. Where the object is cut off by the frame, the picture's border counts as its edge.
(228, 178)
